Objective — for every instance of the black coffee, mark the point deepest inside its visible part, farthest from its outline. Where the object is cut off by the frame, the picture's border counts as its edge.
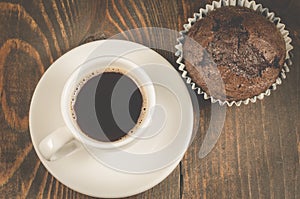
(108, 106)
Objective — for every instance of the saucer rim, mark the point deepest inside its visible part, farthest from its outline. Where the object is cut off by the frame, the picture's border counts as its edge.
(165, 171)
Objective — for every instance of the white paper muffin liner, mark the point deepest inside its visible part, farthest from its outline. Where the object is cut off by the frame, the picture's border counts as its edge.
(244, 3)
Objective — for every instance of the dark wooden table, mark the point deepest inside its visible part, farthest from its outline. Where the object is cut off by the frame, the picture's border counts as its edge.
(256, 156)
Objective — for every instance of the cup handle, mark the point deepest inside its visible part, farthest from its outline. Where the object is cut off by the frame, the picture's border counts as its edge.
(58, 144)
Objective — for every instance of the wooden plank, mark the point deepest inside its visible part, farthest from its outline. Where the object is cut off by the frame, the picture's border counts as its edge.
(256, 156)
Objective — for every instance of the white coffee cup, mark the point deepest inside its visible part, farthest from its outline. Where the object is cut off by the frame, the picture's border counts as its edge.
(57, 143)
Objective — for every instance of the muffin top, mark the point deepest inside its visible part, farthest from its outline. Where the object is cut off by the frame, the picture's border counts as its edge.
(236, 45)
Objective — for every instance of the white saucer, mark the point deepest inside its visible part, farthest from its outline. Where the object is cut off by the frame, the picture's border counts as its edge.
(80, 170)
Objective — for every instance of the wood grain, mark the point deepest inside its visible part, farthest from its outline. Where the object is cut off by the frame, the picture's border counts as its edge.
(256, 156)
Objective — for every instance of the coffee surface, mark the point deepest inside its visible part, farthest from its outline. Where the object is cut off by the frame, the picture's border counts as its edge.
(108, 106)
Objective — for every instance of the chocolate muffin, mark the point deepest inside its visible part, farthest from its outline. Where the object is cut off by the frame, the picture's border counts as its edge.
(237, 45)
